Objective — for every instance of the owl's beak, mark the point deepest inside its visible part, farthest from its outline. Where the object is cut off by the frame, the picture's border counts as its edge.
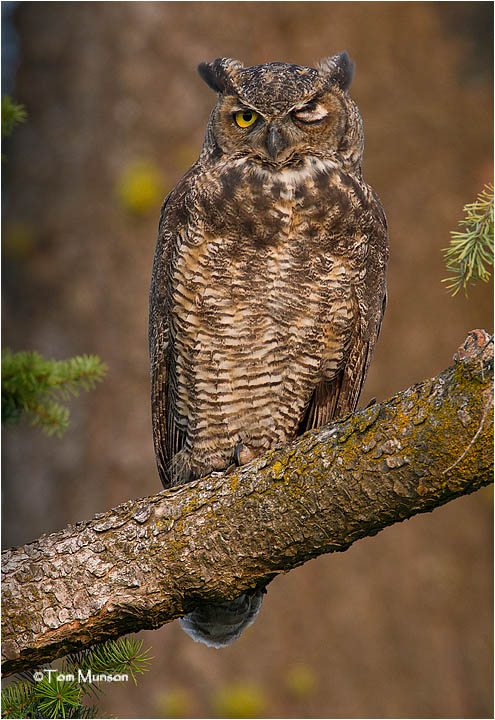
(275, 142)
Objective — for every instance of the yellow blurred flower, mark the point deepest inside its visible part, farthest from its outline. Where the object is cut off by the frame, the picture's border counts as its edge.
(300, 681)
(176, 703)
(140, 187)
(241, 700)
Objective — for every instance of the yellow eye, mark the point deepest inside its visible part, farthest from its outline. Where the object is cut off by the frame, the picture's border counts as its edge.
(245, 118)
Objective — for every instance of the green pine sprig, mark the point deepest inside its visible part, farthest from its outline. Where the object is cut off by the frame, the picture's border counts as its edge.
(122, 656)
(471, 249)
(33, 387)
(18, 700)
(52, 697)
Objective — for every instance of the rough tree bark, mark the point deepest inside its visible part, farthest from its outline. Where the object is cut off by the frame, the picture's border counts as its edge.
(151, 560)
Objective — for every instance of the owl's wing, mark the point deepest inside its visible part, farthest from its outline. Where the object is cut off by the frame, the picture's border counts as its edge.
(159, 360)
(334, 399)
(337, 397)
(167, 438)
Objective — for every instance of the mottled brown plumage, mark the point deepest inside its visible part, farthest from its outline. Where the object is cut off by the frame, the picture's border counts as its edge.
(268, 283)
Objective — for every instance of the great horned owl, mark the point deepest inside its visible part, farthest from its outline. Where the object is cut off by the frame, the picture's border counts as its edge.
(268, 285)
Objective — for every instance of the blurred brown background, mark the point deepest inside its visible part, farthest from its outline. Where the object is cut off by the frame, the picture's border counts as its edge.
(401, 624)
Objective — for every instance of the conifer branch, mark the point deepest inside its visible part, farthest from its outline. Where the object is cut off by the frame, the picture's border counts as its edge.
(51, 693)
(32, 387)
(471, 249)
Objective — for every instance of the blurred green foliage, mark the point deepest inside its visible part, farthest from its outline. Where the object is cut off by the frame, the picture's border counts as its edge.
(300, 681)
(18, 240)
(33, 386)
(12, 114)
(240, 700)
(471, 249)
(140, 187)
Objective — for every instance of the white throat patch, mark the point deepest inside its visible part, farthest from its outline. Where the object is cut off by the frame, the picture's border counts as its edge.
(293, 176)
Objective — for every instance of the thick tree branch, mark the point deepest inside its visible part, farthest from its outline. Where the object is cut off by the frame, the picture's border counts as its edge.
(151, 560)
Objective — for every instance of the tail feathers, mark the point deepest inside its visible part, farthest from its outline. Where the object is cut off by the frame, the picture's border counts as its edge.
(219, 625)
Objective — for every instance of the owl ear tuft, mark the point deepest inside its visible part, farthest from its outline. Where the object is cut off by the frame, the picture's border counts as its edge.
(209, 74)
(219, 74)
(339, 69)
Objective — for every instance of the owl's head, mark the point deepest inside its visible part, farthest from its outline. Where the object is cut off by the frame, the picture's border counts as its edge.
(278, 114)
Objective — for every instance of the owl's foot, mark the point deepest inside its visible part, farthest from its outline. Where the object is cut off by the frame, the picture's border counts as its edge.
(243, 454)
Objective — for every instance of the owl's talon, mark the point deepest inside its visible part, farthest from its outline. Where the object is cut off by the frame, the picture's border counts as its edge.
(243, 454)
